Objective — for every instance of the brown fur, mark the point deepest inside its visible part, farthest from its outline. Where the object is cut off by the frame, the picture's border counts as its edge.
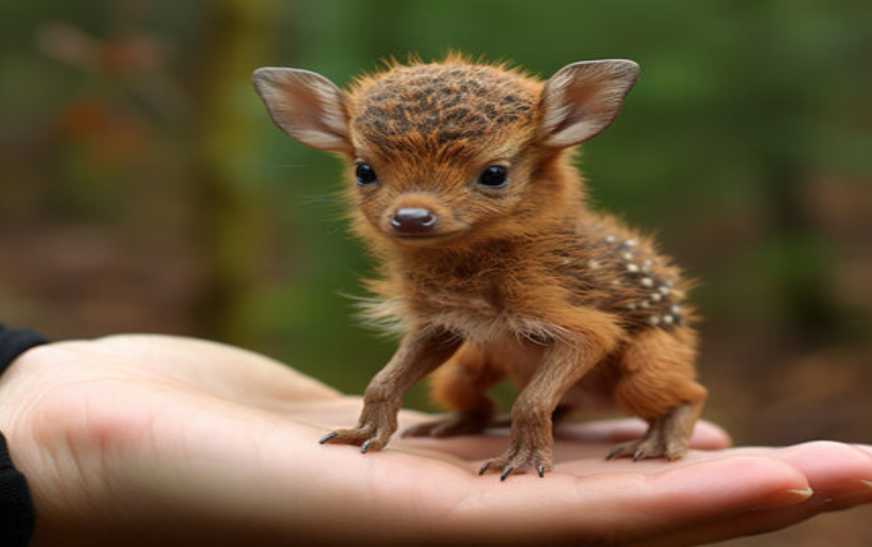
(525, 280)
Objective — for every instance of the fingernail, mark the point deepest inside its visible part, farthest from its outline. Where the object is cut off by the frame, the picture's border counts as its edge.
(785, 498)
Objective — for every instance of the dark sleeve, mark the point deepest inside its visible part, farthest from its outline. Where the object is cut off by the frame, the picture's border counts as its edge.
(16, 505)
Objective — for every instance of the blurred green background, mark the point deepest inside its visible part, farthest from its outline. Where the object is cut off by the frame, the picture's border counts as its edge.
(144, 188)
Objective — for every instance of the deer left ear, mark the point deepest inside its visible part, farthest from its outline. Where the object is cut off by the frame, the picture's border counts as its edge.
(306, 106)
(584, 98)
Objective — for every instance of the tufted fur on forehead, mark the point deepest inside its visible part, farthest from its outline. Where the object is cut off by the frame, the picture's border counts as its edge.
(453, 104)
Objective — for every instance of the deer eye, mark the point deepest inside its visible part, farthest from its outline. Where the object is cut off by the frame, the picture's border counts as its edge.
(494, 176)
(365, 174)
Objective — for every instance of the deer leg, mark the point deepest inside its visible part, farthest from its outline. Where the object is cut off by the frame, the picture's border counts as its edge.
(418, 354)
(530, 441)
(657, 384)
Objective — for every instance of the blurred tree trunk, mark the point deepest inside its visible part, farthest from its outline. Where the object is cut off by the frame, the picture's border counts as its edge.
(238, 33)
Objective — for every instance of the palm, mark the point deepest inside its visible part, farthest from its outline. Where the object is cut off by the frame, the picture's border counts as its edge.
(182, 439)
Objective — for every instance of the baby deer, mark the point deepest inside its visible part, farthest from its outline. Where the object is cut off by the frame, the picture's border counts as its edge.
(461, 181)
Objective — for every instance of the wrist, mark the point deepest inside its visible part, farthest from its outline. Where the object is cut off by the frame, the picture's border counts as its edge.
(17, 517)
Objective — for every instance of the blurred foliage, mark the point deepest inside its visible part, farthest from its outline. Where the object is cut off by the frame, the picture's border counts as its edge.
(145, 189)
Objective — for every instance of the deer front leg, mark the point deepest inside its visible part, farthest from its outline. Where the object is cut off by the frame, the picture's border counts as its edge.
(419, 353)
(531, 441)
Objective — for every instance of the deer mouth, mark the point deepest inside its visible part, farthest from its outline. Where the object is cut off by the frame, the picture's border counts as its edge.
(428, 238)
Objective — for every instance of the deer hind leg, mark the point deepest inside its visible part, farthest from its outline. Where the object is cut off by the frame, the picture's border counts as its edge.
(460, 385)
(531, 442)
(657, 383)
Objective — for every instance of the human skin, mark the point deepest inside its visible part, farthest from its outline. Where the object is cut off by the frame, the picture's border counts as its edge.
(144, 440)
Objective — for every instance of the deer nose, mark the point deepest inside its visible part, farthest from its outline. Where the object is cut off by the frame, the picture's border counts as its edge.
(413, 221)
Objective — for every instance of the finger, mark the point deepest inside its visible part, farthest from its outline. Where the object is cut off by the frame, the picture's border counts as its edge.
(838, 474)
(622, 506)
(863, 448)
(834, 470)
(757, 521)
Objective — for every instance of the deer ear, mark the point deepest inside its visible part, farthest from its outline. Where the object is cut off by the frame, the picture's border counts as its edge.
(306, 106)
(582, 99)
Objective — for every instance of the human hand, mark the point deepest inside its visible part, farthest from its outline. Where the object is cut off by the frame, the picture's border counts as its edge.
(140, 440)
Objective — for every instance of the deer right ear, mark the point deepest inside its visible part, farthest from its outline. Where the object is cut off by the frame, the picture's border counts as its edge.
(306, 106)
(584, 98)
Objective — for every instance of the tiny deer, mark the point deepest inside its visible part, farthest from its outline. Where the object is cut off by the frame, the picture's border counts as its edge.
(461, 181)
